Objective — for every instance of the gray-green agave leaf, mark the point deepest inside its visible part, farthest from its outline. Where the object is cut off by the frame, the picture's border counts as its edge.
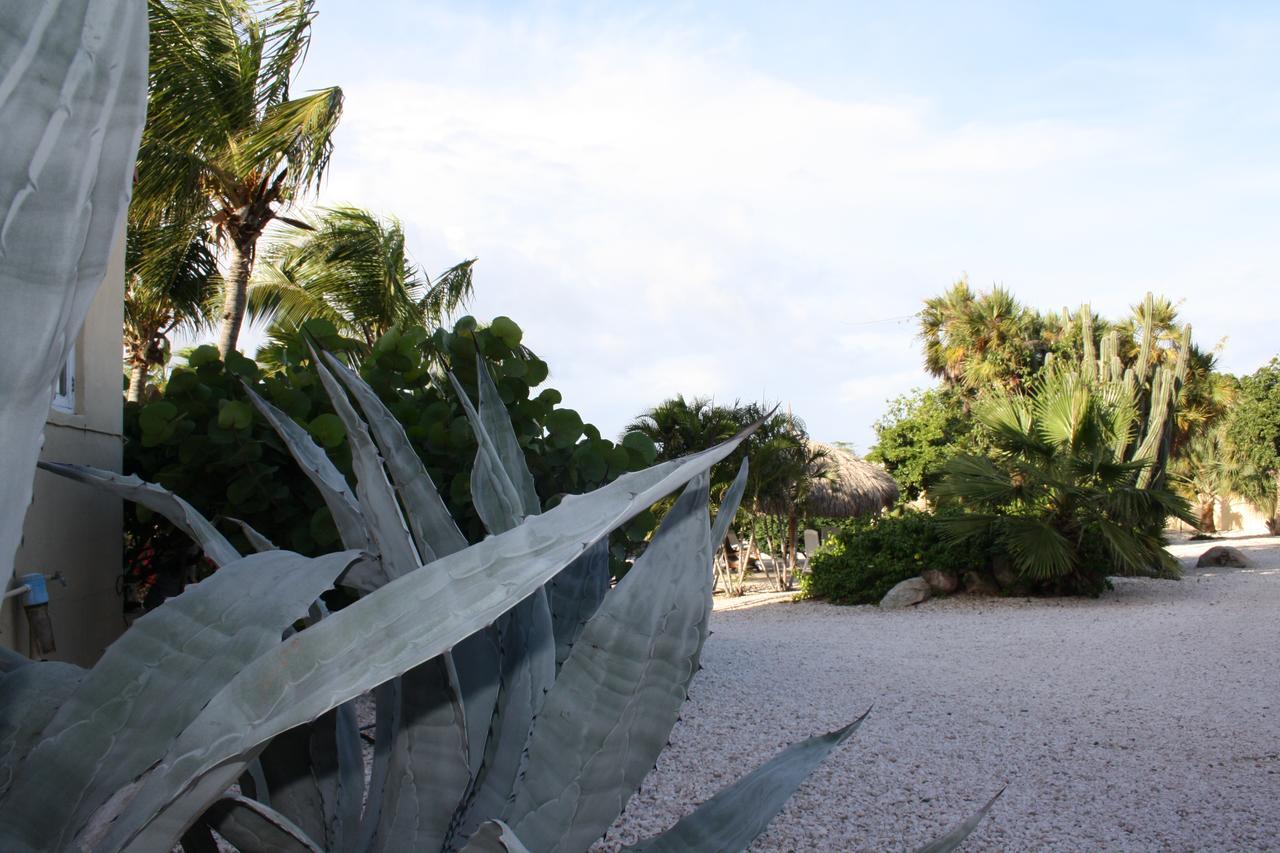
(157, 499)
(29, 697)
(732, 819)
(956, 837)
(148, 688)
(434, 530)
(405, 623)
(619, 693)
(255, 828)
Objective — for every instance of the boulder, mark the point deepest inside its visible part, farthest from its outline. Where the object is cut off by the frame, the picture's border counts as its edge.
(940, 581)
(1004, 573)
(1223, 555)
(979, 584)
(909, 592)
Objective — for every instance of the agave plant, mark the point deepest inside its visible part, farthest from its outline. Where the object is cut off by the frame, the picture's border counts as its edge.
(519, 700)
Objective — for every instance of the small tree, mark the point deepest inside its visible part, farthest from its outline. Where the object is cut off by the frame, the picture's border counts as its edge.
(1253, 432)
(920, 433)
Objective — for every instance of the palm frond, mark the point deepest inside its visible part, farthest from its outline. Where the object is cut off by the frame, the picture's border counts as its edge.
(1038, 550)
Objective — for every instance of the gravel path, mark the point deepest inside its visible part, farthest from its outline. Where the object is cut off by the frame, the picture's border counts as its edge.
(1148, 719)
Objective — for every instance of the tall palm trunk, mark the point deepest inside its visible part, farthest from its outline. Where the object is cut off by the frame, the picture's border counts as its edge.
(137, 376)
(239, 265)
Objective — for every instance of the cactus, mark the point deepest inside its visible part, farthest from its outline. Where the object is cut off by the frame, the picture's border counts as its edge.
(1155, 386)
(495, 726)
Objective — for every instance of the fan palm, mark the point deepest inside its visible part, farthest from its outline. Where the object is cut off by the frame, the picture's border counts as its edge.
(350, 267)
(1055, 494)
(223, 134)
(976, 341)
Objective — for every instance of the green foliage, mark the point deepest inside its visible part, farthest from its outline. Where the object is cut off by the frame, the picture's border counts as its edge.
(1060, 493)
(920, 433)
(869, 555)
(1253, 433)
(203, 439)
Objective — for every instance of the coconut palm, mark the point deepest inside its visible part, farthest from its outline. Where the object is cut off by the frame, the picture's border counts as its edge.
(1055, 495)
(224, 136)
(171, 278)
(350, 267)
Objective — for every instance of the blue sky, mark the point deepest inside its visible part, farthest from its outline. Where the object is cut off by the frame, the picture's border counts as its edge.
(744, 200)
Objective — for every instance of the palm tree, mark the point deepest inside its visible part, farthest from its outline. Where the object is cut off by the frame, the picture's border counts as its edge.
(983, 341)
(223, 134)
(350, 267)
(679, 426)
(1054, 493)
(171, 276)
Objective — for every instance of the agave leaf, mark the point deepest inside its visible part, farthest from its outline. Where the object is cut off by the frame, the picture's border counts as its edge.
(255, 828)
(434, 530)
(528, 671)
(344, 816)
(574, 595)
(494, 836)
(619, 693)
(732, 819)
(497, 499)
(11, 660)
(478, 662)
(729, 506)
(405, 623)
(320, 470)
(301, 772)
(149, 685)
(428, 770)
(955, 837)
(29, 697)
(497, 424)
(504, 495)
(377, 497)
(387, 708)
(259, 542)
(157, 499)
(73, 95)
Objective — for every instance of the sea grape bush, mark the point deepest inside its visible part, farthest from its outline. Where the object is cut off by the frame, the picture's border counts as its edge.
(867, 556)
(201, 438)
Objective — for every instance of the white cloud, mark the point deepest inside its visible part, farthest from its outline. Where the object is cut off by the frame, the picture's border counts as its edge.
(662, 219)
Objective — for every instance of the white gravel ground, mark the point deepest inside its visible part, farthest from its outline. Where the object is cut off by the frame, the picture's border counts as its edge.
(1148, 719)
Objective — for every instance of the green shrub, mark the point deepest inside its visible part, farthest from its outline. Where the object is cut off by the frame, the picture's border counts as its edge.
(202, 438)
(864, 560)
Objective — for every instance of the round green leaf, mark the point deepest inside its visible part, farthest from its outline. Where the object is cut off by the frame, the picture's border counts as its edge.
(156, 416)
(506, 330)
(537, 372)
(327, 430)
(642, 445)
(202, 355)
(235, 415)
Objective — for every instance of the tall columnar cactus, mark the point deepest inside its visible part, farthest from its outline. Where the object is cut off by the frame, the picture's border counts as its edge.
(73, 92)
(1155, 383)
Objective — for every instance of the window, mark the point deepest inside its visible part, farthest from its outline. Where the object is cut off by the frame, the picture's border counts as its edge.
(64, 387)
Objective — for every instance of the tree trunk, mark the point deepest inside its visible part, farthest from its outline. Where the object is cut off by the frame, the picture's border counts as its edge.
(792, 545)
(239, 265)
(137, 377)
(1206, 523)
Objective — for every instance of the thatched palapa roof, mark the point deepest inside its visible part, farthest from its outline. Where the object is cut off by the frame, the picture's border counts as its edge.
(846, 486)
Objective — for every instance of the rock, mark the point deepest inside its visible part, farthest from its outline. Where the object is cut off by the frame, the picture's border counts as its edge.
(1004, 573)
(907, 593)
(979, 584)
(940, 581)
(1223, 555)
